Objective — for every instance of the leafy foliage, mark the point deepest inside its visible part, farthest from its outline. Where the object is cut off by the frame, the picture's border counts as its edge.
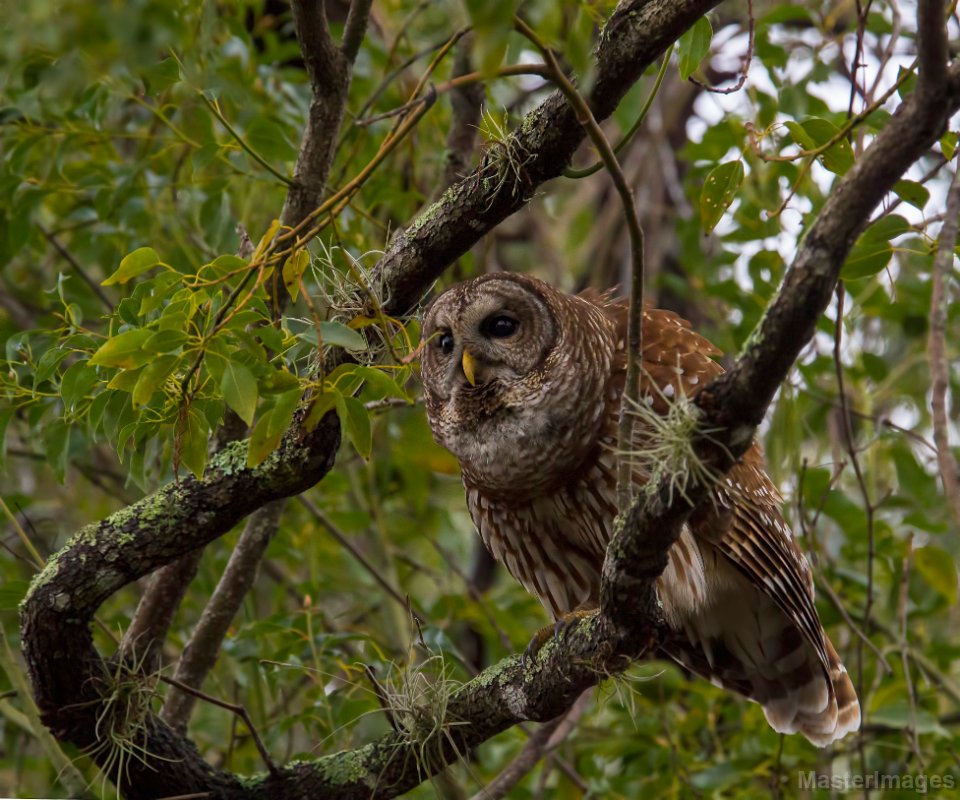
(135, 324)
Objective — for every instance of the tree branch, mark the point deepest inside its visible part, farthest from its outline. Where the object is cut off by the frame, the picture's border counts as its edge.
(634, 37)
(66, 671)
(355, 28)
(937, 346)
(203, 647)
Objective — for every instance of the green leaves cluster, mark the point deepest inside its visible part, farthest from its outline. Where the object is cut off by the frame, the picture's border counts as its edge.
(177, 355)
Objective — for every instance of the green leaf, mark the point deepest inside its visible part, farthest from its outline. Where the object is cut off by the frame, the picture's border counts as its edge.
(161, 76)
(938, 569)
(355, 420)
(916, 194)
(380, 382)
(282, 414)
(239, 388)
(261, 444)
(133, 264)
(876, 367)
(901, 716)
(694, 46)
(165, 341)
(909, 78)
(95, 413)
(48, 364)
(56, 445)
(873, 251)
(293, 269)
(125, 380)
(719, 190)
(193, 443)
(152, 377)
(814, 132)
(320, 405)
(222, 265)
(339, 335)
(948, 144)
(76, 382)
(126, 350)
(866, 258)
(277, 381)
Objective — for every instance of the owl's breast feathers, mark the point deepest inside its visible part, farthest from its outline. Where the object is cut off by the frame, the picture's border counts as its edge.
(737, 591)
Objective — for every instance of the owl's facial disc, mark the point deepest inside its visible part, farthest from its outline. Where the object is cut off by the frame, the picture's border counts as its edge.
(495, 336)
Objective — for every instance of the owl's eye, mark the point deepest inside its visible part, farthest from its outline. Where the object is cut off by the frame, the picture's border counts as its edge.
(500, 326)
(445, 343)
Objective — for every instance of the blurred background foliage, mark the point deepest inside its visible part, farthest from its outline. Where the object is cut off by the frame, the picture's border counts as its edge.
(164, 125)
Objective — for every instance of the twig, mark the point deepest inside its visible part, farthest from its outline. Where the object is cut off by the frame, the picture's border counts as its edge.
(473, 591)
(143, 639)
(937, 347)
(837, 603)
(904, 648)
(35, 556)
(214, 108)
(745, 66)
(635, 333)
(857, 54)
(847, 427)
(355, 28)
(76, 266)
(576, 174)
(201, 650)
(344, 541)
(381, 695)
(237, 709)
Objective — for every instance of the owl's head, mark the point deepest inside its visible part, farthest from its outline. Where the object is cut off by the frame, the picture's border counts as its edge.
(511, 374)
(485, 335)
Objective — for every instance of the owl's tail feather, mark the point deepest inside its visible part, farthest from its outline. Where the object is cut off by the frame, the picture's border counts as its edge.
(798, 712)
(758, 653)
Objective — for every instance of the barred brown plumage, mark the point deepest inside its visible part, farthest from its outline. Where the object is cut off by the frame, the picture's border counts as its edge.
(530, 409)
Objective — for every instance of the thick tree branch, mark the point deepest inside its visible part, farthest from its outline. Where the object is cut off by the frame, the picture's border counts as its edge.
(143, 639)
(67, 673)
(330, 69)
(201, 651)
(355, 28)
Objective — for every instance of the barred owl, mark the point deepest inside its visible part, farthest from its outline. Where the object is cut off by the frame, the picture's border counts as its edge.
(523, 385)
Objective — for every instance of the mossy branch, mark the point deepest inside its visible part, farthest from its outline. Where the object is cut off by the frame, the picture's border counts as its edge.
(57, 613)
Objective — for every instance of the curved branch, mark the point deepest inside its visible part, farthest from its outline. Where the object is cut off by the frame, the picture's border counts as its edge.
(67, 672)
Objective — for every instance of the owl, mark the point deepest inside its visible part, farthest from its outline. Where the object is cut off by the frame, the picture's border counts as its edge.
(523, 384)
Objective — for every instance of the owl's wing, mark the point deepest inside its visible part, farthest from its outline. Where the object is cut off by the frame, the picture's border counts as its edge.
(747, 526)
(745, 523)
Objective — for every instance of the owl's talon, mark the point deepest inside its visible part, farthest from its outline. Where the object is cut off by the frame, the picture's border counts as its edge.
(560, 630)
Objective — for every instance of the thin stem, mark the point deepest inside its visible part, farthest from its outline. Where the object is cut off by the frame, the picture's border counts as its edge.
(215, 110)
(937, 347)
(35, 556)
(237, 709)
(744, 69)
(76, 266)
(576, 174)
(635, 334)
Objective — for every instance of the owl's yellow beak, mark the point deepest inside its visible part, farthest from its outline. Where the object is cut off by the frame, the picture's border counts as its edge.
(469, 367)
